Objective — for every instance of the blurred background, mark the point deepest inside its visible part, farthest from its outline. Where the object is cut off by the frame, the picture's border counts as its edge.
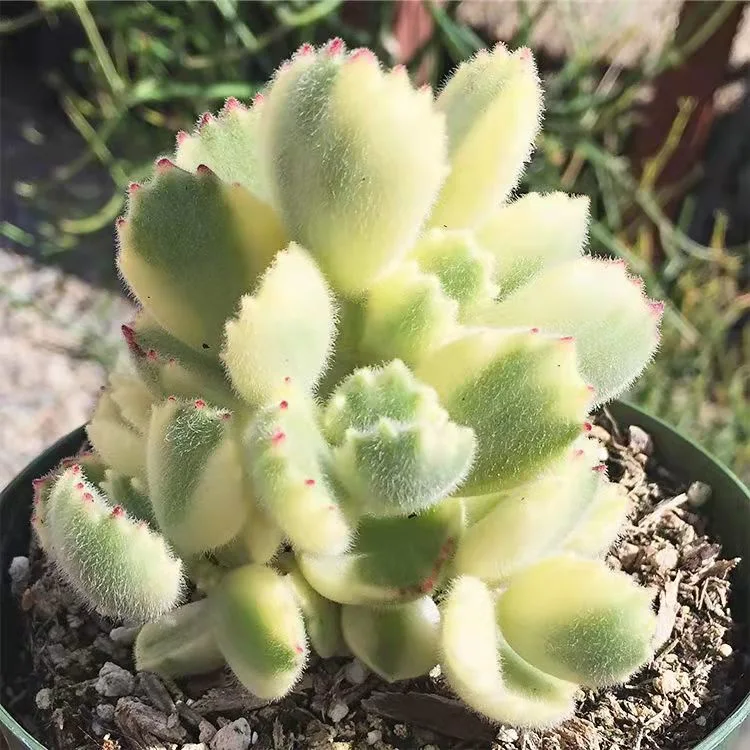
(648, 113)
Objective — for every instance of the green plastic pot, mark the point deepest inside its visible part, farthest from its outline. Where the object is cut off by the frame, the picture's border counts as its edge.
(729, 513)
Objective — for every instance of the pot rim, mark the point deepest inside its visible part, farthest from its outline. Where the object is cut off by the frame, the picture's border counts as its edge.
(630, 411)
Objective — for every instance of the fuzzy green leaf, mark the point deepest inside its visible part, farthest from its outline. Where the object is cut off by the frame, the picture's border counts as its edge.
(397, 642)
(578, 620)
(260, 630)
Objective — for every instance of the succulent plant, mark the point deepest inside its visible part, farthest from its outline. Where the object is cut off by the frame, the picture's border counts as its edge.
(353, 414)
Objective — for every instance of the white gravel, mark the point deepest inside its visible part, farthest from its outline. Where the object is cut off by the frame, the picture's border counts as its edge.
(56, 333)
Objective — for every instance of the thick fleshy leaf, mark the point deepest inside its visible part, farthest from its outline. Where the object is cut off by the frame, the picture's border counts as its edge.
(132, 399)
(226, 144)
(354, 160)
(598, 529)
(521, 394)
(533, 233)
(286, 456)
(284, 330)
(484, 670)
(260, 630)
(407, 314)
(194, 475)
(396, 452)
(397, 642)
(533, 519)
(322, 616)
(578, 620)
(115, 562)
(615, 326)
(169, 250)
(121, 446)
(391, 560)
(464, 269)
(493, 106)
(131, 494)
(167, 367)
(179, 643)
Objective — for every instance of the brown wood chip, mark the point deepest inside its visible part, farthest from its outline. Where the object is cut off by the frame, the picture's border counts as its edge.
(442, 715)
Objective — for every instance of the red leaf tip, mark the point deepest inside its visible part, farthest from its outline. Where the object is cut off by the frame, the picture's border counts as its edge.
(587, 427)
(258, 99)
(364, 54)
(88, 497)
(199, 403)
(164, 163)
(231, 103)
(134, 187)
(203, 169)
(601, 468)
(119, 222)
(305, 50)
(278, 437)
(182, 136)
(656, 308)
(284, 405)
(534, 330)
(118, 511)
(310, 482)
(205, 119)
(335, 47)
(567, 339)
(524, 54)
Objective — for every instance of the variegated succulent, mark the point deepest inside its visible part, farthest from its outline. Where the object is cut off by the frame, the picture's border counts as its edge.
(354, 411)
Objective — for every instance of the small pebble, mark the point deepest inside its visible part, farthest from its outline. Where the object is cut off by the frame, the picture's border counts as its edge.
(667, 682)
(374, 736)
(44, 699)
(355, 672)
(667, 558)
(253, 738)
(640, 441)
(508, 734)
(234, 736)
(114, 681)
(698, 493)
(74, 622)
(198, 746)
(19, 572)
(56, 633)
(701, 721)
(58, 655)
(206, 731)
(338, 711)
(124, 636)
(401, 730)
(725, 649)
(105, 712)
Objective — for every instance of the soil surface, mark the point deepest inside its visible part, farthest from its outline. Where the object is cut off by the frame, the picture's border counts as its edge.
(84, 693)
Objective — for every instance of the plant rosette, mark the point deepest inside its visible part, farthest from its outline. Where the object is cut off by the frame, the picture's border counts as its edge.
(355, 412)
